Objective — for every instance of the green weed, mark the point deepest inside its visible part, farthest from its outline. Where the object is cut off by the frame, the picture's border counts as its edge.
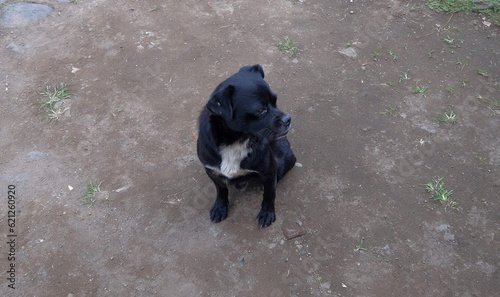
(481, 160)
(89, 196)
(53, 105)
(448, 116)
(491, 8)
(465, 83)
(118, 109)
(450, 6)
(389, 110)
(394, 56)
(449, 40)
(439, 193)
(420, 90)
(360, 247)
(404, 76)
(288, 46)
(482, 72)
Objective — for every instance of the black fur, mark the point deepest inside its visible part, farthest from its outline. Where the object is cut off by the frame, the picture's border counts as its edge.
(242, 109)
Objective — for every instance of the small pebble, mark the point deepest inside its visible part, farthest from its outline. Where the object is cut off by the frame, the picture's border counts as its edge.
(291, 230)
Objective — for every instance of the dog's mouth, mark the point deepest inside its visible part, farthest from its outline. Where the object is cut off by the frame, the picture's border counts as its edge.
(283, 133)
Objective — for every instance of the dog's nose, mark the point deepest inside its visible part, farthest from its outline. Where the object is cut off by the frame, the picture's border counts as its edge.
(286, 119)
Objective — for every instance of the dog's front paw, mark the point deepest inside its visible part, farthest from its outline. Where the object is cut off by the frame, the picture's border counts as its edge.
(218, 212)
(266, 217)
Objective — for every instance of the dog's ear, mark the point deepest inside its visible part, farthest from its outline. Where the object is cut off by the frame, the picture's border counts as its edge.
(258, 68)
(221, 102)
(254, 68)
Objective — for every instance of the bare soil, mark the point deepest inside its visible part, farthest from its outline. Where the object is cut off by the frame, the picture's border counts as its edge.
(368, 141)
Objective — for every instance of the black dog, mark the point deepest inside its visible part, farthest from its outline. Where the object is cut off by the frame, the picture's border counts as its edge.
(242, 135)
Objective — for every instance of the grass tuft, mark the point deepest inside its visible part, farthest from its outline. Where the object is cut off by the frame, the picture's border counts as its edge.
(53, 104)
(450, 6)
(439, 193)
(448, 116)
(92, 189)
(491, 8)
(288, 46)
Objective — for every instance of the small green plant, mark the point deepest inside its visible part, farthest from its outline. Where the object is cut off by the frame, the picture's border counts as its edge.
(360, 247)
(450, 90)
(465, 83)
(429, 54)
(449, 40)
(448, 116)
(389, 110)
(118, 109)
(482, 72)
(53, 105)
(450, 27)
(438, 193)
(288, 46)
(74, 1)
(156, 8)
(394, 56)
(404, 76)
(376, 54)
(420, 90)
(89, 196)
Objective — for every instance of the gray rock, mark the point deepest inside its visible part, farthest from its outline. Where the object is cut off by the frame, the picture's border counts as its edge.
(15, 48)
(291, 230)
(35, 155)
(20, 15)
(429, 127)
(349, 52)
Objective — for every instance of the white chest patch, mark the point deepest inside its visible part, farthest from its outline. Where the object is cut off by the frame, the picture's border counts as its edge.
(232, 155)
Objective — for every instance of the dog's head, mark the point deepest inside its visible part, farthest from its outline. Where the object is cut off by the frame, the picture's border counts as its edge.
(245, 103)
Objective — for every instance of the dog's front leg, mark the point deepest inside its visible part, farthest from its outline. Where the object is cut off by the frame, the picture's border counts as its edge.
(266, 215)
(218, 212)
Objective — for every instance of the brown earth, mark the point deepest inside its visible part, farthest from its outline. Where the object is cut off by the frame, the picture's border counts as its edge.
(139, 72)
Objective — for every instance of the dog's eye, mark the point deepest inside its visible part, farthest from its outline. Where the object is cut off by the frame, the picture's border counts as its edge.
(262, 111)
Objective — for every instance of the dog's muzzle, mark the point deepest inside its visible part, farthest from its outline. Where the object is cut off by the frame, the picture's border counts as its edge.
(283, 125)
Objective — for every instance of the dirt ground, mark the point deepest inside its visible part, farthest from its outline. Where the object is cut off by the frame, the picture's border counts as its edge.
(364, 93)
